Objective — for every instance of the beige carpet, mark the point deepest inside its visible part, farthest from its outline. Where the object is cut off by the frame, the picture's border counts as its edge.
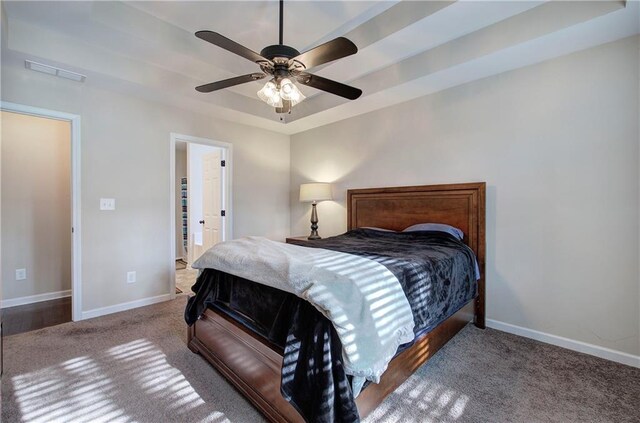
(135, 366)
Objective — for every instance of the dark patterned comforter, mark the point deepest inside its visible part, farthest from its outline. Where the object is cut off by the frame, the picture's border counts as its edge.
(436, 271)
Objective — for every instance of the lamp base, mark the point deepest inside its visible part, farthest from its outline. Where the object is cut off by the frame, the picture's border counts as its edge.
(314, 223)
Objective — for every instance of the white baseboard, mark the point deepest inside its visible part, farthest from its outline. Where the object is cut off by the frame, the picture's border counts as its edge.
(97, 312)
(583, 347)
(12, 302)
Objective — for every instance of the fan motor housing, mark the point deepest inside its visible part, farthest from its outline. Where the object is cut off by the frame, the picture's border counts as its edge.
(279, 50)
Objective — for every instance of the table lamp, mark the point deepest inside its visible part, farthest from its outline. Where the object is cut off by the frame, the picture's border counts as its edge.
(314, 192)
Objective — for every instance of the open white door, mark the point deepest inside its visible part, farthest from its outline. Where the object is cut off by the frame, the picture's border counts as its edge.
(205, 198)
(211, 198)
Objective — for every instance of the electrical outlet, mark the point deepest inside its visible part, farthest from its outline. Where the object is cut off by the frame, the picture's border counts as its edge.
(131, 277)
(107, 204)
(21, 274)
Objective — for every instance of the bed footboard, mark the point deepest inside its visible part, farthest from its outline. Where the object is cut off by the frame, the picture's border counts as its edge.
(254, 367)
(243, 359)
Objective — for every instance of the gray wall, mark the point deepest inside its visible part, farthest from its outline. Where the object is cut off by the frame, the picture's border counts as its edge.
(36, 205)
(125, 155)
(557, 144)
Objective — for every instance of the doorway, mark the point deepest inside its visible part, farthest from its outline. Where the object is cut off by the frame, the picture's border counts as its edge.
(200, 193)
(40, 218)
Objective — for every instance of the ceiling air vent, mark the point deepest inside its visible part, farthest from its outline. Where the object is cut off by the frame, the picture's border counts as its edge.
(51, 70)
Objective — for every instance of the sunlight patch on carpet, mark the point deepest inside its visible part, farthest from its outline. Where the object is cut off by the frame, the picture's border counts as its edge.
(419, 400)
(89, 388)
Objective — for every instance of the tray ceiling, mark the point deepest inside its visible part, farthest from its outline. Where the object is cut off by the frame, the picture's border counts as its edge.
(407, 48)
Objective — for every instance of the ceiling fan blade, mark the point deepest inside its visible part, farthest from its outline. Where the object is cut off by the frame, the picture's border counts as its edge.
(327, 52)
(225, 83)
(328, 85)
(230, 45)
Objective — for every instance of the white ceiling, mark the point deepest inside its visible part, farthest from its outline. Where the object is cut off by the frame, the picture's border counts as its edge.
(406, 48)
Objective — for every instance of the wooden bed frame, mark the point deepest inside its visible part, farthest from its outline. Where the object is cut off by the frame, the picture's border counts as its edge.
(253, 366)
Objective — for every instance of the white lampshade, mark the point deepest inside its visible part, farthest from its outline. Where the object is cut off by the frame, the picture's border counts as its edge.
(315, 192)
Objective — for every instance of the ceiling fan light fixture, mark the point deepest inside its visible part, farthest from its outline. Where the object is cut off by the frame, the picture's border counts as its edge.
(285, 64)
(270, 94)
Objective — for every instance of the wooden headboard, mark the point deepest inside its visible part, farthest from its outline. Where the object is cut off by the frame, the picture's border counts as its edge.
(459, 205)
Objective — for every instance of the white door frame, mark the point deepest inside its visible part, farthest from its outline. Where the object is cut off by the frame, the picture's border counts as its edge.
(76, 238)
(227, 226)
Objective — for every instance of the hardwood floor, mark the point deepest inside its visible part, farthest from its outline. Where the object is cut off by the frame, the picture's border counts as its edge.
(34, 316)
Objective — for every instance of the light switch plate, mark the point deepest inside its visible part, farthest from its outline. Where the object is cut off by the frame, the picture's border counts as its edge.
(21, 274)
(107, 204)
(131, 277)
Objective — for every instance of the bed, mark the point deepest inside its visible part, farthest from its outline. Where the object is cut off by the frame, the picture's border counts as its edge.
(253, 364)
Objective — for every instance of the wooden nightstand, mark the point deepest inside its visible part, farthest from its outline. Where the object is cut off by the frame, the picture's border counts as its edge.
(300, 240)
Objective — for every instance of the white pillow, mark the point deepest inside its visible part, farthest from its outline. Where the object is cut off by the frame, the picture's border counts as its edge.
(436, 227)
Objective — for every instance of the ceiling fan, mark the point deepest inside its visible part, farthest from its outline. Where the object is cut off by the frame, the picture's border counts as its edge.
(285, 64)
